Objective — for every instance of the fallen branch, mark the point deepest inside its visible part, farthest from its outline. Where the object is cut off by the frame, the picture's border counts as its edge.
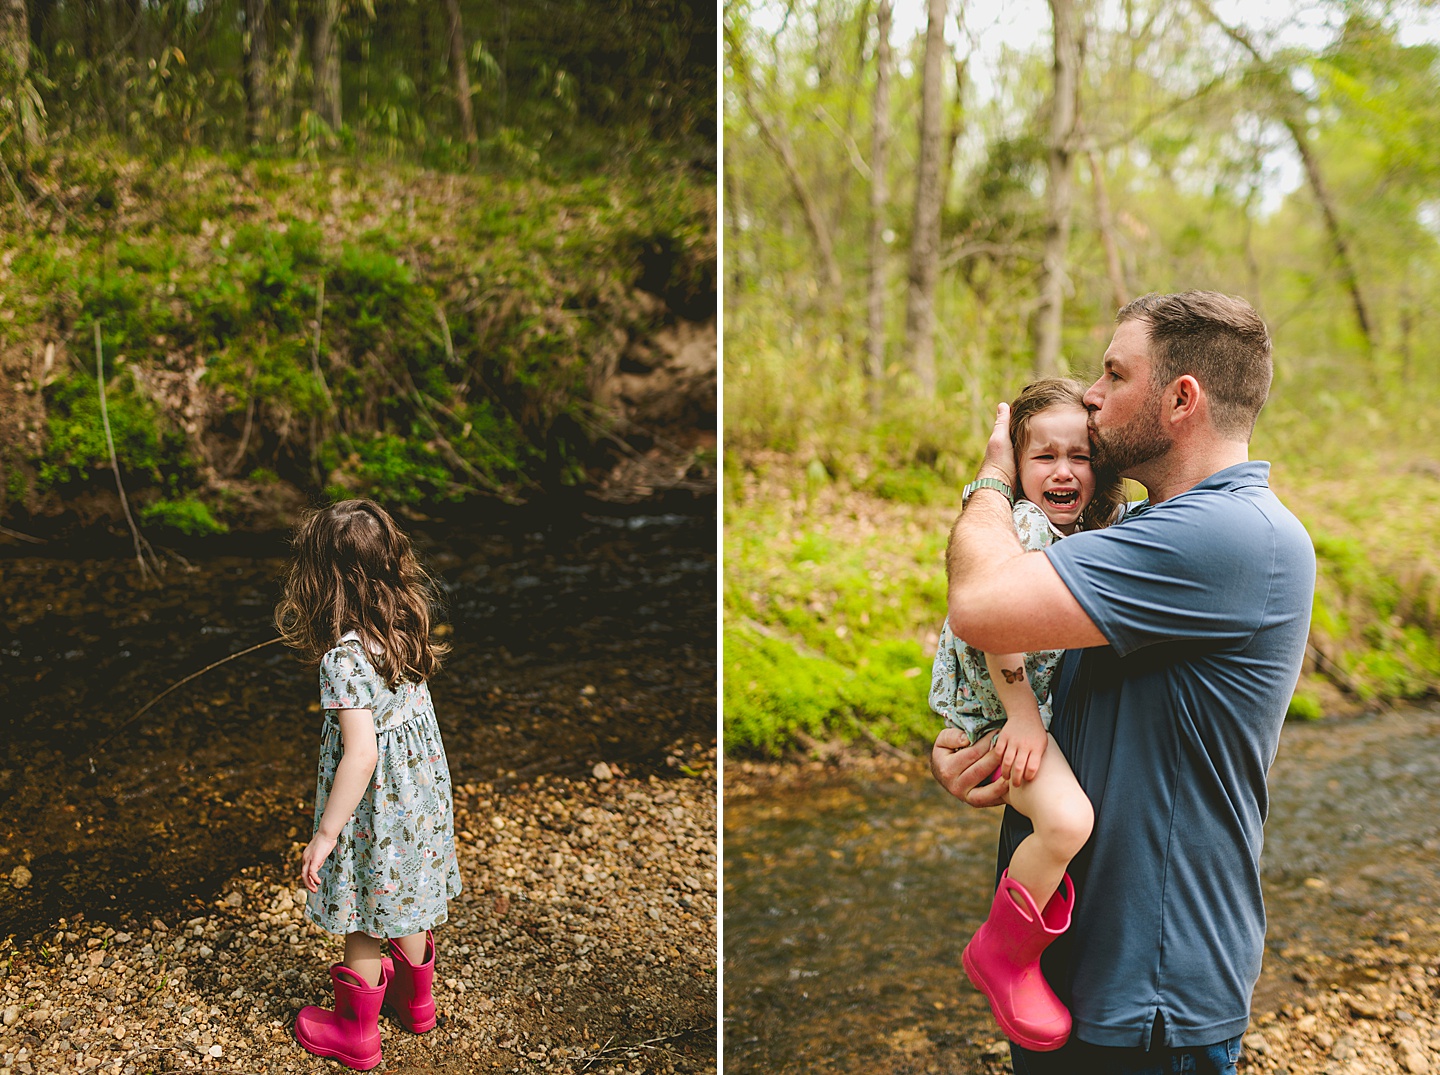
(173, 687)
(22, 537)
(141, 545)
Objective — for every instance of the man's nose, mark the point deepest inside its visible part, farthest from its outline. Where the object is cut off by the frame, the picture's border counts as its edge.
(1091, 398)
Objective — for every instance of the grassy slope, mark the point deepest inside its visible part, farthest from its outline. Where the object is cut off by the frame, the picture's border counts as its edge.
(205, 277)
(833, 595)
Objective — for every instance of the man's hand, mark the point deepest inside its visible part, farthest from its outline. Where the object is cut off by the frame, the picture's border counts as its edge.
(999, 461)
(1021, 744)
(960, 768)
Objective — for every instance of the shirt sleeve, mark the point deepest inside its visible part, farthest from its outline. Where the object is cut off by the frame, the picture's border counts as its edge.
(1031, 526)
(346, 682)
(1182, 570)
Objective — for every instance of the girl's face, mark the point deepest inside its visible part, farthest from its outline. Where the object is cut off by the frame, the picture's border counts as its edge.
(1054, 467)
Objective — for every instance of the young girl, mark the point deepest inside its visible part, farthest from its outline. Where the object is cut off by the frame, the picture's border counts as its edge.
(1007, 696)
(381, 863)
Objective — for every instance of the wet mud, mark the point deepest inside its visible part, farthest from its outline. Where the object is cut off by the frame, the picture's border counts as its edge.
(577, 640)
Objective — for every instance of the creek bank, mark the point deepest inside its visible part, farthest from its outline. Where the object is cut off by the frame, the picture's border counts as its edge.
(1351, 978)
(576, 640)
(584, 940)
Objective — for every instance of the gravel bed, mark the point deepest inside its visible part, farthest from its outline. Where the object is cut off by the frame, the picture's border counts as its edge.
(584, 940)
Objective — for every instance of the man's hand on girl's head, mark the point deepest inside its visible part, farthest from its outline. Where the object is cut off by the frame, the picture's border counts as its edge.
(961, 768)
(999, 461)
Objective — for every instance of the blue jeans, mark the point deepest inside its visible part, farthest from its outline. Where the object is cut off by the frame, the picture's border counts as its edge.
(1076, 1057)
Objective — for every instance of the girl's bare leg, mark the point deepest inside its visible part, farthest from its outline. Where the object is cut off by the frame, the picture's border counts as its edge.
(1062, 816)
(362, 955)
(414, 946)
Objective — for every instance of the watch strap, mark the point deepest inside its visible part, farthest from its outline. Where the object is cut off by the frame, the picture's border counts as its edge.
(986, 483)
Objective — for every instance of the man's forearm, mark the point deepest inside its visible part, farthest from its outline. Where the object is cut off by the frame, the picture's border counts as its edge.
(982, 539)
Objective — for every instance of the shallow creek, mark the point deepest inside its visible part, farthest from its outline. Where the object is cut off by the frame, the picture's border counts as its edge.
(849, 897)
(577, 640)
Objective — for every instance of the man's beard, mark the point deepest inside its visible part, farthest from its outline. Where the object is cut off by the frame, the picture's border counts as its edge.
(1122, 450)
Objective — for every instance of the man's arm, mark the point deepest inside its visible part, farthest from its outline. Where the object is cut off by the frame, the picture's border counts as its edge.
(1003, 599)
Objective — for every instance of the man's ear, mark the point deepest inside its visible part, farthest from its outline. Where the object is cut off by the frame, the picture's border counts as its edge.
(1183, 399)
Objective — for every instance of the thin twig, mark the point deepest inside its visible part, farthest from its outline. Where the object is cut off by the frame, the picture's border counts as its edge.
(648, 1043)
(141, 545)
(173, 687)
(445, 328)
(23, 537)
(249, 423)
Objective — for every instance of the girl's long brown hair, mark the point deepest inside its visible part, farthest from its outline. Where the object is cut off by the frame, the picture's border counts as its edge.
(353, 570)
(1049, 392)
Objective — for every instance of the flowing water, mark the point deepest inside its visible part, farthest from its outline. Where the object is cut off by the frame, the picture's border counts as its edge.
(577, 640)
(848, 899)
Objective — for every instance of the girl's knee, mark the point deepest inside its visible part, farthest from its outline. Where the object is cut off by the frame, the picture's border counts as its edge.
(1065, 831)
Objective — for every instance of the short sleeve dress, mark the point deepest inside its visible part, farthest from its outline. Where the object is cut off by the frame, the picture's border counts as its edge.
(394, 866)
(960, 687)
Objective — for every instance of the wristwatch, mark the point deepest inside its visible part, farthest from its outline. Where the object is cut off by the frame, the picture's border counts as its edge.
(986, 483)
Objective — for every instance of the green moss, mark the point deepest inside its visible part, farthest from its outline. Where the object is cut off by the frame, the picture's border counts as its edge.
(186, 514)
(1304, 705)
(144, 445)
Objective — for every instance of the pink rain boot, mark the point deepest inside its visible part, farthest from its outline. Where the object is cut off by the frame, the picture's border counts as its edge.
(1002, 960)
(351, 1033)
(408, 992)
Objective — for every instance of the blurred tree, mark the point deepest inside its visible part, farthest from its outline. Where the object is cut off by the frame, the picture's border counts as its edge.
(879, 206)
(1064, 104)
(925, 233)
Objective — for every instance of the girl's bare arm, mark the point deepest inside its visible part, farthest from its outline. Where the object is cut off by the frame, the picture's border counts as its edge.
(352, 777)
(1023, 739)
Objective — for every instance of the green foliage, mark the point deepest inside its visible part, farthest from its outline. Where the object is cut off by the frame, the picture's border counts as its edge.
(1305, 705)
(826, 614)
(143, 445)
(399, 470)
(186, 514)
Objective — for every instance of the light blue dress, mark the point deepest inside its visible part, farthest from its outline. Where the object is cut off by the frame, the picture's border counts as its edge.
(394, 867)
(961, 690)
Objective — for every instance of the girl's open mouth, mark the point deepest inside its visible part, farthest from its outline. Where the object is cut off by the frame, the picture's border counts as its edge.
(1064, 498)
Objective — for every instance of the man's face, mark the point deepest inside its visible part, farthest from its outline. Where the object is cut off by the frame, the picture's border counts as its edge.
(1125, 424)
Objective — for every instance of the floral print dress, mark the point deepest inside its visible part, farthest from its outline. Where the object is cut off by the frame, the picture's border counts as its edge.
(394, 867)
(961, 690)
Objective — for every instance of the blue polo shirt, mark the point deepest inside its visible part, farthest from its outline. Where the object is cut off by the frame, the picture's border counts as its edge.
(1205, 601)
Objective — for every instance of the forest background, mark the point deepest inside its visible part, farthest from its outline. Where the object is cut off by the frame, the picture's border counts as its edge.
(922, 213)
(428, 252)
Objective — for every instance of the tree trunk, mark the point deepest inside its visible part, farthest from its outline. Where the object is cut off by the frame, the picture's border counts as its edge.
(879, 200)
(1058, 189)
(259, 101)
(1105, 224)
(462, 81)
(957, 114)
(326, 61)
(925, 240)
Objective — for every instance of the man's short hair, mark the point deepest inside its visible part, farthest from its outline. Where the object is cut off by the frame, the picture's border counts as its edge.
(1220, 341)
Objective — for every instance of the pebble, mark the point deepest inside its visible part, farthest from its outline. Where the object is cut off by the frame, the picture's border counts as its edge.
(20, 877)
(12, 1013)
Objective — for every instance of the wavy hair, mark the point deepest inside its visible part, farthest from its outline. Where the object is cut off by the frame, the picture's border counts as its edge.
(1038, 396)
(353, 569)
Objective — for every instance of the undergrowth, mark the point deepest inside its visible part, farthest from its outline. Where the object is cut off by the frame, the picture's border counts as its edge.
(360, 326)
